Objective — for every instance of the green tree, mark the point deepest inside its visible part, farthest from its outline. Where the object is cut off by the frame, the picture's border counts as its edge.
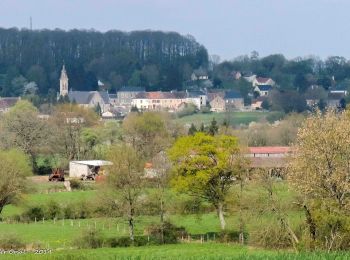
(22, 129)
(213, 128)
(206, 167)
(13, 172)
(192, 130)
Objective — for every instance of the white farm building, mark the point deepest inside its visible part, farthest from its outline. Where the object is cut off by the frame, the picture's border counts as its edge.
(80, 169)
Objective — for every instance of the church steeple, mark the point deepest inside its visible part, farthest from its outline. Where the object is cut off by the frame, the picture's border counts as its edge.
(63, 82)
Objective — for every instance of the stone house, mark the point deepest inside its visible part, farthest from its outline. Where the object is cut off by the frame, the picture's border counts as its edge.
(233, 100)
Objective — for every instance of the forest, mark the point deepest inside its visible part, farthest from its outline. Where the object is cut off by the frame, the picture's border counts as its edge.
(154, 59)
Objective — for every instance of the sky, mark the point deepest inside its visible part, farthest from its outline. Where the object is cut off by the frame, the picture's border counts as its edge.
(227, 28)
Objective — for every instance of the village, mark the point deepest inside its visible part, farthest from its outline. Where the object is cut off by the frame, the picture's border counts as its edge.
(173, 130)
(204, 99)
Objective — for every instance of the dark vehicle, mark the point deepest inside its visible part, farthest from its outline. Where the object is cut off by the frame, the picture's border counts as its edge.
(57, 175)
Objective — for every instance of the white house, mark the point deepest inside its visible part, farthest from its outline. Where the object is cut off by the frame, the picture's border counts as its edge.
(263, 90)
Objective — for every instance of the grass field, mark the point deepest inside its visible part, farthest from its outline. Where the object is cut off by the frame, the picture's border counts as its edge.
(209, 251)
(234, 118)
(61, 233)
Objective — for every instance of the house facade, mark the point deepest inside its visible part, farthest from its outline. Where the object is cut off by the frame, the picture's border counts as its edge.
(263, 90)
(168, 101)
(158, 101)
(199, 74)
(233, 101)
(198, 98)
(126, 94)
(218, 104)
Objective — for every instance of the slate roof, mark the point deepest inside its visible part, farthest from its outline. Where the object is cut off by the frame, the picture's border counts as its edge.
(156, 95)
(335, 96)
(192, 94)
(232, 94)
(265, 87)
(84, 97)
(105, 96)
(132, 89)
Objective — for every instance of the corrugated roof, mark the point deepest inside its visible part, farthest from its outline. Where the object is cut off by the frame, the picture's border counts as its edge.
(93, 162)
(269, 149)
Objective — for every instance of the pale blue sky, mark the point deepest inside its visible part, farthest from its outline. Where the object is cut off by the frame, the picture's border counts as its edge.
(226, 27)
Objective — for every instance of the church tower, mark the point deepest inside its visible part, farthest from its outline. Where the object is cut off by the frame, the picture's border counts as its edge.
(63, 82)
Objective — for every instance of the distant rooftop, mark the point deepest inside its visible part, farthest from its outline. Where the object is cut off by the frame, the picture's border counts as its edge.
(232, 94)
(270, 149)
(84, 97)
(132, 89)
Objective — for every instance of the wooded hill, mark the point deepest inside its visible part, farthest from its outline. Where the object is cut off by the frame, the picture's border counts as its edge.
(157, 60)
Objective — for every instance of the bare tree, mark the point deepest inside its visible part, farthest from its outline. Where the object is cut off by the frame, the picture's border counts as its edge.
(125, 179)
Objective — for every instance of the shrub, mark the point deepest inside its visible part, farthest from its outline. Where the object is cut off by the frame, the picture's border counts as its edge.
(34, 212)
(90, 238)
(171, 233)
(275, 116)
(188, 110)
(119, 242)
(76, 184)
(53, 210)
(271, 237)
(11, 241)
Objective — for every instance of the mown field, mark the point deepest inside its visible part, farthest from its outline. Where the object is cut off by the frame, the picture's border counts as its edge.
(209, 251)
(61, 233)
(233, 118)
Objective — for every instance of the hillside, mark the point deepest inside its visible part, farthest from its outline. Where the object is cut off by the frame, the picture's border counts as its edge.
(157, 60)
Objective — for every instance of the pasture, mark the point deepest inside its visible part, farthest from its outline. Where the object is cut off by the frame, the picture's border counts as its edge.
(233, 118)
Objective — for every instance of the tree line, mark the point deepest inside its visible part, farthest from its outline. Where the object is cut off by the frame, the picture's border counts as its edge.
(293, 77)
(154, 59)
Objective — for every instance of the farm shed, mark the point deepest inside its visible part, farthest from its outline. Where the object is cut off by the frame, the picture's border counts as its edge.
(77, 169)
